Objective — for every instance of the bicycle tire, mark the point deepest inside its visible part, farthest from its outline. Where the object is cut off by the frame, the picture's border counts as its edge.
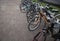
(34, 26)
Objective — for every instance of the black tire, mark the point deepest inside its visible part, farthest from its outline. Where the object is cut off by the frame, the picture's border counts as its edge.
(35, 26)
(32, 29)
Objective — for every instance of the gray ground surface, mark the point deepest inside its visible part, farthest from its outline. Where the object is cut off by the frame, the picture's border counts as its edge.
(13, 23)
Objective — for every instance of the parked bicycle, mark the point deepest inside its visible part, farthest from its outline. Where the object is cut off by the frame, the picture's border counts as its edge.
(36, 13)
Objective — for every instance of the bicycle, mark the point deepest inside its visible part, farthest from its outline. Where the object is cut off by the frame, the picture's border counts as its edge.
(33, 17)
(30, 10)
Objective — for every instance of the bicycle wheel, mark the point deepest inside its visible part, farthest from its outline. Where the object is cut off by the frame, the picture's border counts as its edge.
(34, 23)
